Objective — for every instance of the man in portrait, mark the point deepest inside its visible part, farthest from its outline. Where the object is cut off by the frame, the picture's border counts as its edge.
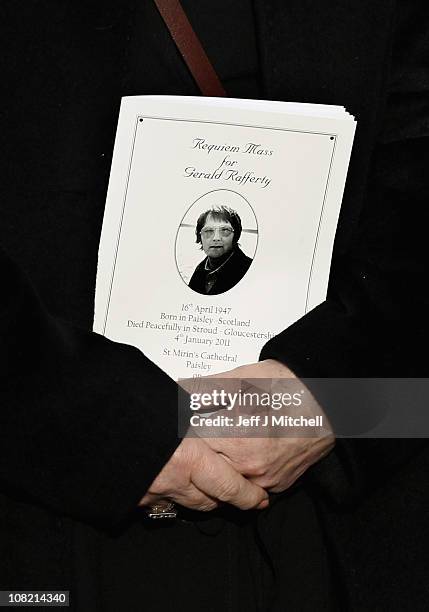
(218, 231)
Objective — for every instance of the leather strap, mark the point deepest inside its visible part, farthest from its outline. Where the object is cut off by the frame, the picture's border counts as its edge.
(190, 47)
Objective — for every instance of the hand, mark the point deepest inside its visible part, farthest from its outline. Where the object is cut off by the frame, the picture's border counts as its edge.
(274, 463)
(199, 478)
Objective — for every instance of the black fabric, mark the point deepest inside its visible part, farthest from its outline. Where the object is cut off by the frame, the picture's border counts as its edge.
(228, 276)
(86, 423)
(370, 325)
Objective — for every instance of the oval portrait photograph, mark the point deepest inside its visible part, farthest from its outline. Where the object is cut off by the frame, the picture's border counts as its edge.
(216, 242)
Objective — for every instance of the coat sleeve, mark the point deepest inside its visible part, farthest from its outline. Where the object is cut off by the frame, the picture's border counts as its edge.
(374, 322)
(85, 423)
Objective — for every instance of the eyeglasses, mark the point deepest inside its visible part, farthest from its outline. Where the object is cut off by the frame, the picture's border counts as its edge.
(209, 232)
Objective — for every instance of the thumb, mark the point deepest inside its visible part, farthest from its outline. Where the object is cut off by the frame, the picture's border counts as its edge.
(218, 479)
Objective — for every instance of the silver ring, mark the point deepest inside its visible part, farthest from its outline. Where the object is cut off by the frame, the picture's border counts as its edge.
(162, 510)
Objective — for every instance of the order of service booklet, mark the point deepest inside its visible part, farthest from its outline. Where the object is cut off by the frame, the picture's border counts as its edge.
(219, 225)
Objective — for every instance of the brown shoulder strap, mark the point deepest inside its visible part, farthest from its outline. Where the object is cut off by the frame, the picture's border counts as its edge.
(190, 47)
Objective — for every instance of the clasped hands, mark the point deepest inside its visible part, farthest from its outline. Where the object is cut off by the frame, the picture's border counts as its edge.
(205, 472)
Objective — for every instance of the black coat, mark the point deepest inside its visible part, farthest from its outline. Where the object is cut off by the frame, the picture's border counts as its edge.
(81, 432)
(229, 275)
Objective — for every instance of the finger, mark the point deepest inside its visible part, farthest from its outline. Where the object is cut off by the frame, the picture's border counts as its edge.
(218, 479)
(285, 474)
(195, 499)
(191, 498)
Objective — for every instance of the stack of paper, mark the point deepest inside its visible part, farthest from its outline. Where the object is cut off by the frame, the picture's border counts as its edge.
(219, 225)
